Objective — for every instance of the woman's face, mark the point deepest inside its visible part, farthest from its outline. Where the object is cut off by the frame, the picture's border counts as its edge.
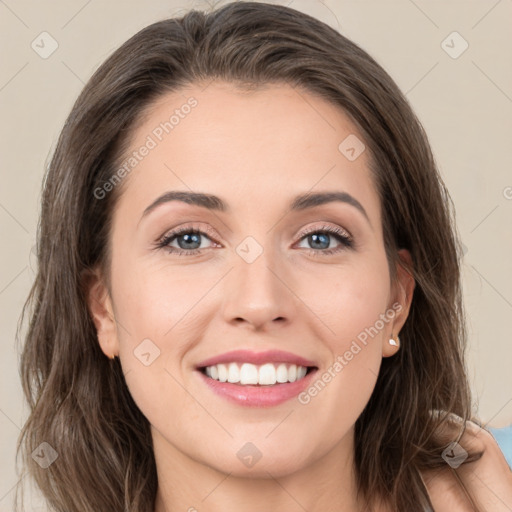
(264, 274)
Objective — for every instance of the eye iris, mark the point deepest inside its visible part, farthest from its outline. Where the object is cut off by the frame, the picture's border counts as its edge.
(189, 238)
(315, 237)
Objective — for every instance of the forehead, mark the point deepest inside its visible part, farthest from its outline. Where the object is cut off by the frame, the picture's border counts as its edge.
(260, 145)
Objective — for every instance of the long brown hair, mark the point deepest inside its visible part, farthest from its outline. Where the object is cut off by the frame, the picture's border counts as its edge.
(79, 402)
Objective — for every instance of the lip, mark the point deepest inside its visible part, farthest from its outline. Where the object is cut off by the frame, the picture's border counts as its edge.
(257, 358)
(258, 396)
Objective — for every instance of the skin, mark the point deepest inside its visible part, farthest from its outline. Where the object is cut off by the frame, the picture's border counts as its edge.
(256, 151)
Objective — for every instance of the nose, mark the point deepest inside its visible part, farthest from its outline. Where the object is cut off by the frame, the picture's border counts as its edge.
(258, 294)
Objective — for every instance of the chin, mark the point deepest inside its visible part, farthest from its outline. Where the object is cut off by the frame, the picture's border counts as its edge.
(269, 468)
(254, 460)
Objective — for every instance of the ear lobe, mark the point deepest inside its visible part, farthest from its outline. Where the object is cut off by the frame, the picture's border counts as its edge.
(100, 308)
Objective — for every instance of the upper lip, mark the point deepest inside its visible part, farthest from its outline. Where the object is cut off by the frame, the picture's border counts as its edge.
(257, 358)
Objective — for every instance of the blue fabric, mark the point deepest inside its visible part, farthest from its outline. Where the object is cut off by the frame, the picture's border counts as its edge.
(503, 437)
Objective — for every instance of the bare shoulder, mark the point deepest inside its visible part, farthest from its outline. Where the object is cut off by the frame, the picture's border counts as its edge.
(488, 480)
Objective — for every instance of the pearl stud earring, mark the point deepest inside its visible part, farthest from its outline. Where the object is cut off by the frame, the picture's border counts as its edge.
(394, 342)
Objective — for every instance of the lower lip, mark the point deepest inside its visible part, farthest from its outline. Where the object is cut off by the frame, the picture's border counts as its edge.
(258, 396)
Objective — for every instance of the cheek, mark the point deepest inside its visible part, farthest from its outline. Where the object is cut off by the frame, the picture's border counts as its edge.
(152, 348)
(156, 302)
(354, 310)
(350, 300)
(341, 390)
(148, 312)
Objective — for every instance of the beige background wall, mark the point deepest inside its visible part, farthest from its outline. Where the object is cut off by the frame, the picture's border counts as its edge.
(464, 102)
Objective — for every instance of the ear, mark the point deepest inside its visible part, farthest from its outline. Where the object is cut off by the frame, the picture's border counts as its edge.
(401, 299)
(100, 307)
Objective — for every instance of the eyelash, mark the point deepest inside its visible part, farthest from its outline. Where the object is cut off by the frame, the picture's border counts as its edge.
(341, 235)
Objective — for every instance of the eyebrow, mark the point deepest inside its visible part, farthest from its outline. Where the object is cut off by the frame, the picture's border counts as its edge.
(215, 203)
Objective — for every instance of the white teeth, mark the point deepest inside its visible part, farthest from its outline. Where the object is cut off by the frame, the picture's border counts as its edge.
(282, 373)
(267, 374)
(223, 372)
(248, 374)
(233, 373)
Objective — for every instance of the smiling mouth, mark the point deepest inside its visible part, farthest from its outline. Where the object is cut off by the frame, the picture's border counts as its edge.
(247, 374)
